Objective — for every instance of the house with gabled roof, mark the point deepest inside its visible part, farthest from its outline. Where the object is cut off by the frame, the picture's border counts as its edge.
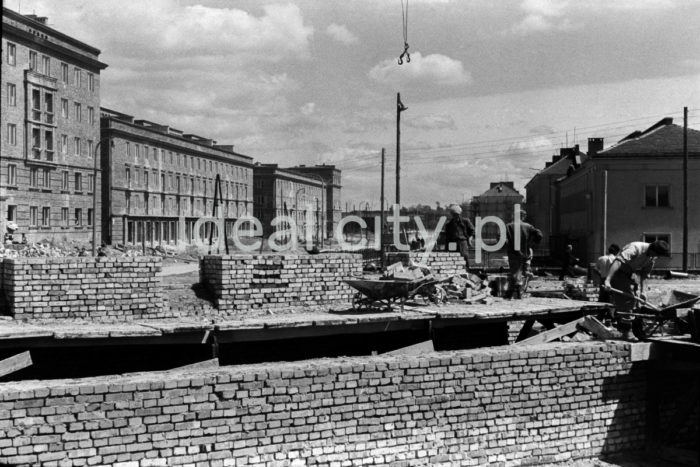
(633, 191)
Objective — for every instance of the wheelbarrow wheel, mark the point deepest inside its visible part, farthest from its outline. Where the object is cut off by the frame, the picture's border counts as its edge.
(359, 302)
(434, 294)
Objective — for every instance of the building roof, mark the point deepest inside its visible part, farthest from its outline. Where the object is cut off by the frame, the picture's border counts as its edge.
(662, 138)
(500, 189)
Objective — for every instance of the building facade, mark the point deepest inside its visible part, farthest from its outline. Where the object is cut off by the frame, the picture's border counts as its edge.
(498, 201)
(633, 191)
(50, 130)
(331, 177)
(285, 192)
(159, 181)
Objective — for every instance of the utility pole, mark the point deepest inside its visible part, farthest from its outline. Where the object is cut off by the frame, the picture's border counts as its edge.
(399, 108)
(381, 210)
(685, 189)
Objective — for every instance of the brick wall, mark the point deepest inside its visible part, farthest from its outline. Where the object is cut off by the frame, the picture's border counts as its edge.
(490, 406)
(242, 282)
(93, 288)
(440, 262)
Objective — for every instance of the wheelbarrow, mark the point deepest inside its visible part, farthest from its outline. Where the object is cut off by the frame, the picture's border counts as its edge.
(649, 318)
(380, 294)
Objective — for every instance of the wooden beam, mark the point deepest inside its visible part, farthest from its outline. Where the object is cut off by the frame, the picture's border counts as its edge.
(552, 334)
(15, 363)
(525, 330)
(597, 328)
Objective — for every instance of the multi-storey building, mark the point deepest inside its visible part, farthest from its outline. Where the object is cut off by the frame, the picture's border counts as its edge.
(159, 181)
(285, 192)
(50, 130)
(498, 201)
(331, 181)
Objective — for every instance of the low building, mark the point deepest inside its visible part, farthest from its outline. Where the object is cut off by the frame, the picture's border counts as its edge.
(633, 191)
(158, 181)
(50, 129)
(285, 192)
(331, 177)
(498, 201)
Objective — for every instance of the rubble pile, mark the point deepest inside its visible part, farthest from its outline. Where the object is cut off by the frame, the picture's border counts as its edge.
(52, 250)
(469, 288)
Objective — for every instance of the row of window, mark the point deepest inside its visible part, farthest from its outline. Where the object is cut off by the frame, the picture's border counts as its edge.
(42, 143)
(152, 154)
(173, 183)
(40, 178)
(43, 66)
(40, 216)
(177, 206)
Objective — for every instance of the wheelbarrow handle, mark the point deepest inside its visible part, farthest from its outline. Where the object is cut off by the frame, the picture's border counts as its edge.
(634, 297)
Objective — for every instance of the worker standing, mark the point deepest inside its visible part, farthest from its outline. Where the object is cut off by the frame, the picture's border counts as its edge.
(635, 258)
(602, 267)
(458, 233)
(520, 253)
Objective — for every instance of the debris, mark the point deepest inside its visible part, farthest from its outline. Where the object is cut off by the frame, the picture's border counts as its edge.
(552, 334)
(598, 329)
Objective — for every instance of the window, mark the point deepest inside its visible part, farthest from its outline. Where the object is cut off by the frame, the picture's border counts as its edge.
(46, 179)
(48, 145)
(64, 108)
(78, 219)
(12, 134)
(78, 181)
(11, 54)
(91, 183)
(90, 148)
(78, 111)
(64, 72)
(657, 196)
(64, 180)
(91, 81)
(145, 179)
(11, 95)
(11, 212)
(32, 60)
(76, 77)
(33, 214)
(128, 177)
(128, 149)
(138, 150)
(48, 108)
(36, 143)
(127, 202)
(11, 175)
(89, 216)
(162, 182)
(64, 217)
(36, 105)
(64, 144)
(91, 116)
(45, 216)
(46, 65)
(652, 237)
(77, 148)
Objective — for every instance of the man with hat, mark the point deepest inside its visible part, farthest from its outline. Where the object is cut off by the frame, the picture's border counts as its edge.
(458, 232)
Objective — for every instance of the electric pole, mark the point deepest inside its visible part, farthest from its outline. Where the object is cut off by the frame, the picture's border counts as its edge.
(685, 189)
(399, 108)
(381, 210)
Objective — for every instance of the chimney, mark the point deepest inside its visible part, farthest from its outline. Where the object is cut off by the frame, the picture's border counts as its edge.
(595, 145)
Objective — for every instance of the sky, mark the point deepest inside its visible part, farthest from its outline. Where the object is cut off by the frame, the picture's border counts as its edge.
(493, 88)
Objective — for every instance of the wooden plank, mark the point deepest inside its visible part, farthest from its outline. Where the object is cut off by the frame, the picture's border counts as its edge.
(15, 363)
(211, 363)
(556, 333)
(597, 328)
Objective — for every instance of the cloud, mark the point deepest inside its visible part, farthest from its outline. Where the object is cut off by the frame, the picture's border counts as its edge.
(341, 34)
(434, 69)
(432, 122)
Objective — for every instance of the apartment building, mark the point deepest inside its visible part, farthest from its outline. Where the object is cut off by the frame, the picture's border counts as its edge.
(50, 131)
(159, 181)
(331, 177)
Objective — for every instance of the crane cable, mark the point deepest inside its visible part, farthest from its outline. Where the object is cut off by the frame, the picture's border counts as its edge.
(404, 17)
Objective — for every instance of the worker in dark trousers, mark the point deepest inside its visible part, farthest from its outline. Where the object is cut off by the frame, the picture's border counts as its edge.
(568, 260)
(458, 234)
(520, 253)
(635, 258)
(602, 267)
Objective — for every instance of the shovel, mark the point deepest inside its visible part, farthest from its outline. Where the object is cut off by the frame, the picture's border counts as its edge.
(634, 297)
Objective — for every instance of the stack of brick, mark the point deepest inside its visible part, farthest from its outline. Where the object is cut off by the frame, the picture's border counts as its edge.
(244, 282)
(490, 406)
(440, 262)
(93, 288)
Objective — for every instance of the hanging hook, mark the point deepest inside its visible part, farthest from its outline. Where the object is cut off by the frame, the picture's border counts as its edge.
(405, 54)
